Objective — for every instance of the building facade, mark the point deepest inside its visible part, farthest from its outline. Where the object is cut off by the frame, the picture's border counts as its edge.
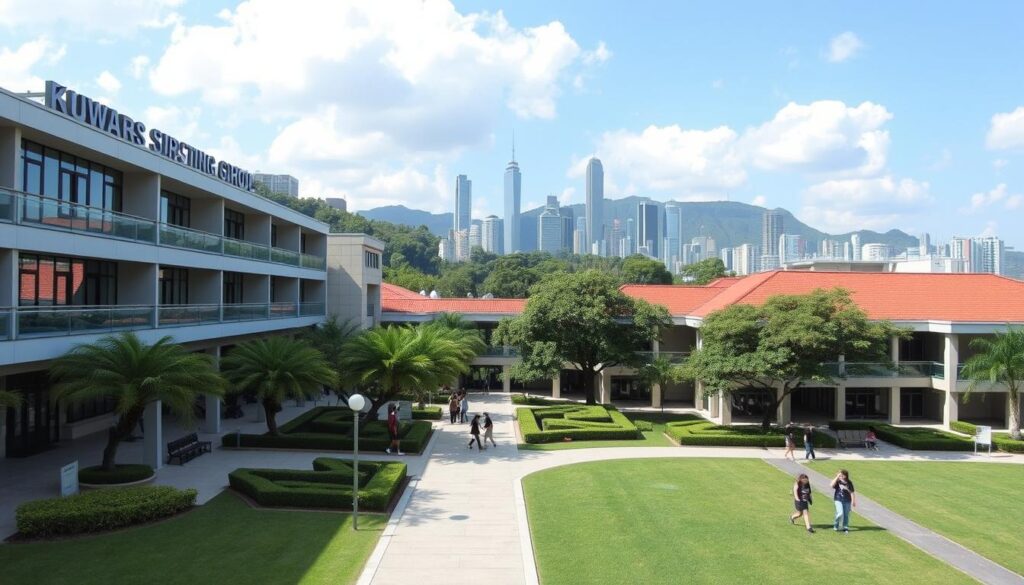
(463, 203)
(513, 196)
(492, 235)
(280, 184)
(648, 228)
(595, 206)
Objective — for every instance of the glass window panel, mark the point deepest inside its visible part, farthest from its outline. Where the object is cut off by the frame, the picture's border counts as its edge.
(33, 151)
(46, 281)
(33, 178)
(27, 288)
(51, 173)
(96, 187)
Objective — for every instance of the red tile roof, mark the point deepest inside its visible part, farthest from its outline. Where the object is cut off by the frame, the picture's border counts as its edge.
(679, 300)
(395, 299)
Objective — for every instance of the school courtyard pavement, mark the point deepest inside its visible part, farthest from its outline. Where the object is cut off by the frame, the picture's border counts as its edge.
(463, 521)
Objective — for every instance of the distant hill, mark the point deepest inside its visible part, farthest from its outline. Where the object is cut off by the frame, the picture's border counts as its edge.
(437, 223)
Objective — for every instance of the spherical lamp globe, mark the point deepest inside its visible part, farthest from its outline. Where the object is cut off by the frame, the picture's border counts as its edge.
(356, 402)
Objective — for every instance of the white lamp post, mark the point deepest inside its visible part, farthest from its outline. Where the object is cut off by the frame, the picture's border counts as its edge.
(356, 403)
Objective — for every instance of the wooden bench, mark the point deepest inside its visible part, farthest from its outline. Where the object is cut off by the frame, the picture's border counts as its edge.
(852, 438)
(187, 448)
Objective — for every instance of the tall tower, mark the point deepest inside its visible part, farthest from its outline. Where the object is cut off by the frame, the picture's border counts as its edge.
(513, 194)
(595, 205)
(648, 232)
(673, 234)
(549, 229)
(771, 230)
(491, 237)
(463, 203)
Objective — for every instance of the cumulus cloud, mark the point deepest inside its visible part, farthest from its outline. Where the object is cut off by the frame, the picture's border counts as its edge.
(109, 17)
(139, 65)
(108, 82)
(1006, 130)
(999, 195)
(843, 47)
(760, 201)
(17, 66)
(876, 203)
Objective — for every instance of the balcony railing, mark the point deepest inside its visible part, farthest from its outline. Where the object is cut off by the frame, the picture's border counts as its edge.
(29, 322)
(882, 370)
(28, 209)
(675, 357)
(499, 351)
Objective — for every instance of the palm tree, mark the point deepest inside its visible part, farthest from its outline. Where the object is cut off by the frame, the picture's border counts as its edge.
(9, 399)
(276, 369)
(330, 338)
(999, 360)
(134, 374)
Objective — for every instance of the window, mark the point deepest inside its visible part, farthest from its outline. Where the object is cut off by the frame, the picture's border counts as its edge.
(233, 287)
(175, 209)
(273, 235)
(371, 259)
(234, 224)
(45, 281)
(63, 176)
(174, 286)
(302, 243)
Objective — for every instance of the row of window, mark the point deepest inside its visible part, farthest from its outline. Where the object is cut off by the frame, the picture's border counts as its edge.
(371, 259)
(58, 280)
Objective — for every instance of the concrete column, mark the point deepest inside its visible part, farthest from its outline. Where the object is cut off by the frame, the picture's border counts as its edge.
(556, 386)
(725, 408)
(604, 379)
(153, 447)
(211, 424)
(951, 362)
(506, 378)
(950, 409)
(656, 395)
(840, 413)
(10, 158)
(894, 349)
(3, 420)
(783, 411)
(716, 403)
(894, 406)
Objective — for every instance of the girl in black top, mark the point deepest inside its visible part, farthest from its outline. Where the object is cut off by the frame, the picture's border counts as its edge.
(802, 500)
(474, 432)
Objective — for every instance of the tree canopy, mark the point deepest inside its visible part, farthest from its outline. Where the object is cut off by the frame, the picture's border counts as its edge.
(639, 269)
(581, 319)
(999, 361)
(703, 272)
(783, 343)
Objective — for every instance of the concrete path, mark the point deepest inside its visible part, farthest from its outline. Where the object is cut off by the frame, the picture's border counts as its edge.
(932, 543)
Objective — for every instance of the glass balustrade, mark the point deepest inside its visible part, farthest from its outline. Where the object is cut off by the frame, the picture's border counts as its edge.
(282, 256)
(882, 370)
(178, 315)
(285, 310)
(180, 237)
(312, 309)
(69, 320)
(245, 312)
(5, 324)
(314, 262)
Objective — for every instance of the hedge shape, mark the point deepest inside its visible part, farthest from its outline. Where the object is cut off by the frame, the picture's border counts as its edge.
(913, 438)
(576, 423)
(702, 432)
(328, 485)
(99, 510)
(128, 473)
(427, 413)
(1001, 441)
(329, 428)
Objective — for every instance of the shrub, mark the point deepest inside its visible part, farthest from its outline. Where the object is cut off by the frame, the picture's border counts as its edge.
(427, 413)
(914, 438)
(702, 432)
(328, 485)
(121, 474)
(644, 425)
(524, 400)
(963, 427)
(100, 510)
(574, 422)
(1000, 441)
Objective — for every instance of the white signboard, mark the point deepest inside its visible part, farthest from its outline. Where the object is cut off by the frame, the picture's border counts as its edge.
(69, 479)
(983, 435)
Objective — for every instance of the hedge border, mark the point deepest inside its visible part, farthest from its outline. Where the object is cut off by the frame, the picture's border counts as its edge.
(530, 425)
(912, 438)
(376, 490)
(101, 510)
(700, 432)
(123, 474)
(1000, 441)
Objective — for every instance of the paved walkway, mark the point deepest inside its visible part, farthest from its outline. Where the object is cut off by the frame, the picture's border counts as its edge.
(465, 520)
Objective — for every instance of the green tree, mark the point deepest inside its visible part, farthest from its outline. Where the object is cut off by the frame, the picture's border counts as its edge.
(999, 361)
(134, 374)
(582, 319)
(457, 280)
(329, 338)
(639, 269)
(705, 271)
(785, 342)
(661, 371)
(276, 369)
(409, 277)
(9, 399)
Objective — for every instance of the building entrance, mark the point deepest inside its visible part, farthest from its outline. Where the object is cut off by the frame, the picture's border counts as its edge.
(35, 425)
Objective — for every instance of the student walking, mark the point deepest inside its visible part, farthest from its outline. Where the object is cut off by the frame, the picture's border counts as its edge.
(453, 408)
(464, 407)
(393, 430)
(845, 497)
(802, 500)
(790, 443)
(809, 443)
(488, 431)
(474, 433)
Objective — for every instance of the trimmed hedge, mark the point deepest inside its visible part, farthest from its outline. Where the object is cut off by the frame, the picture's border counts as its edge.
(100, 510)
(913, 438)
(524, 400)
(427, 413)
(121, 474)
(702, 432)
(328, 485)
(329, 428)
(1001, 441)
(575, 423)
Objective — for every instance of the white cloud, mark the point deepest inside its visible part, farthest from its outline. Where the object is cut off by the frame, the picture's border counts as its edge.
(822, 137)
(999, 195)
(1000, 163)
(182, 123)
(139, 65)
(567, 195)
(18, 66)
(1006, 130)
(108, 82)
(110, 17)
(843, 46)
(599, 55)
(760, 201)
(876, 203)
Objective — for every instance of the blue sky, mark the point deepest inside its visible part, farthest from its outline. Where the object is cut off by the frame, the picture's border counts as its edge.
(880, 115)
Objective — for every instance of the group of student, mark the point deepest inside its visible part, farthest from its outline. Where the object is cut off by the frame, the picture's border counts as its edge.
(458, 411)
(843, 496)
(870, 441)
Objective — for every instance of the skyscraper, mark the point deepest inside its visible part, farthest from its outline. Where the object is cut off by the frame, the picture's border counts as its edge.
(855, 245)
(549, 229)
(513, 193)
(744, 259)
(629, 238)
(726, 255)
(648, 232)
(673, 234)
(771, 229)
(462, 250)
(595, 205)
(791, 248)
(568, 221)
(615, 236)
(992, 256)
(924, 244)
(579, 241)
(463, 203)
(492, 237)
(475, 237)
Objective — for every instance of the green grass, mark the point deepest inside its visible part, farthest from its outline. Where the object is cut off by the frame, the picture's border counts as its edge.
(224, 541)
(652, 438)
(978, 505)
(720, 521)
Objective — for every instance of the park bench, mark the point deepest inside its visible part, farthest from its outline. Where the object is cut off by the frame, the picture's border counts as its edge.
(853, 438)
(187, 448)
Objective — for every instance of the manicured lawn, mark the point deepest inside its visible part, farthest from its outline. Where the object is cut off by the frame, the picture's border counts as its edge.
(653, 438)
(702, 521)
(224, 541)
(978, 505)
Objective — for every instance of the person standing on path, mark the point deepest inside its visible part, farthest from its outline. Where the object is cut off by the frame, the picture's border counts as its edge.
(453, 408)
(393, 430)
(488, 431)
(845, 497)
(464, 407)
(474, 433)
(809, 443)
(790, 443)
(802, 500)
